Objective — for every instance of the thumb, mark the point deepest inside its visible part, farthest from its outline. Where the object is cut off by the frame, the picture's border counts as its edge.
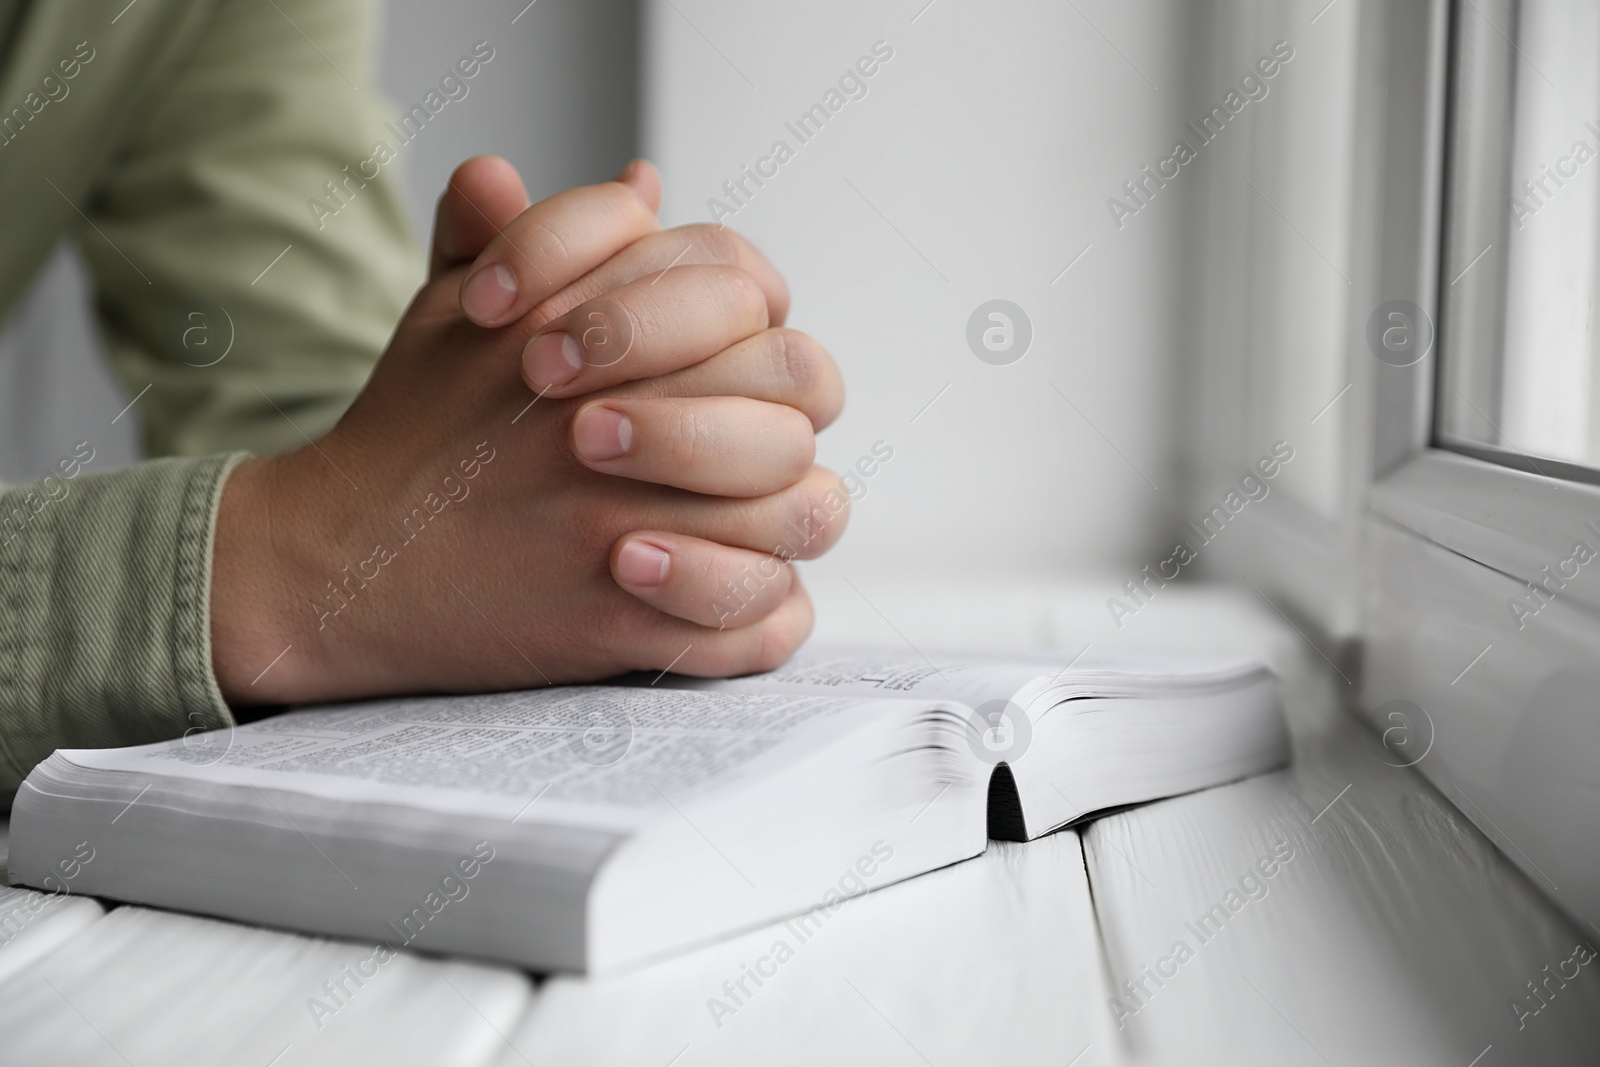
(482, 197)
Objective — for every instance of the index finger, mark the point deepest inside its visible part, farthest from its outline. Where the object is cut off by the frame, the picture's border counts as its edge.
(645, 328)
(550, 245)
(679, 246)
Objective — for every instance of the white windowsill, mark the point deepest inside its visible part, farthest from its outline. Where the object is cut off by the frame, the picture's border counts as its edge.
(1513, 522)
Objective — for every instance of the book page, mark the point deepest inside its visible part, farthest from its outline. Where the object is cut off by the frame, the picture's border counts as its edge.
(884, 673)
(586, 754)
(1033, 680)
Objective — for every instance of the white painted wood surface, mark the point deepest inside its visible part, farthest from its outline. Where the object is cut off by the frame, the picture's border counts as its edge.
(150, 987)
(950, 967)
(34, 924)
(1396, 933)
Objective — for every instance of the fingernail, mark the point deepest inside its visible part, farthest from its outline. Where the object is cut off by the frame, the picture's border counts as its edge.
(602, 433)
(552, 359)
(641, 563)
(488, 292)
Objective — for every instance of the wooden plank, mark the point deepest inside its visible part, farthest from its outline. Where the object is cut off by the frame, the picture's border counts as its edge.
(1394, 933)
(995, 960)
(34, 924)
(143, 986)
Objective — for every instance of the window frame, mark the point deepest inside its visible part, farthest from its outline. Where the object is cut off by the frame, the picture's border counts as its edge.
(1452, 532)
(1445, 489)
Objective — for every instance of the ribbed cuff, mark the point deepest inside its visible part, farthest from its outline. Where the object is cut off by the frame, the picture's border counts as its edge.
(105, 610)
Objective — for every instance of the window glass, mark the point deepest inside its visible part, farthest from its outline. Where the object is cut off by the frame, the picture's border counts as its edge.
(1519, 376)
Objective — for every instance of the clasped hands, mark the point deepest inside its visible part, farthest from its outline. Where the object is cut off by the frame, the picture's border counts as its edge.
(587, 449)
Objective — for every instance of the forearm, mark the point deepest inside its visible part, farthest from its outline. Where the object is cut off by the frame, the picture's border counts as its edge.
(104, 610)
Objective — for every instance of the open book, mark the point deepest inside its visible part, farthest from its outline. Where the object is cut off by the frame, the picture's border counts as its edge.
(592, 827)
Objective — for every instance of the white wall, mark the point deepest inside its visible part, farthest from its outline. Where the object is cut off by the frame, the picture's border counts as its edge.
(559, 99)
(1270, 253)
(1277, 349)
(977, 167)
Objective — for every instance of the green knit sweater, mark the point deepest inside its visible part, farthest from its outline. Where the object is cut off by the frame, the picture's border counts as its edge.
(178, 143)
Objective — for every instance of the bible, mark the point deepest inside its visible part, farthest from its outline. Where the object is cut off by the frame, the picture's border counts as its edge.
(592, 828)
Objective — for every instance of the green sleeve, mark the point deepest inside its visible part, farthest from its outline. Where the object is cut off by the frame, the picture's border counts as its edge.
(193, 145)
(105, 623)
(208, 242)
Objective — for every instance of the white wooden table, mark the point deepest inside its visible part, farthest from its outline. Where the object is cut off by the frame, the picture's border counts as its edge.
(1393, 932)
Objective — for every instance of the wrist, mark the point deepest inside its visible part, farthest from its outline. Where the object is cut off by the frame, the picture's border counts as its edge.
(262, 573)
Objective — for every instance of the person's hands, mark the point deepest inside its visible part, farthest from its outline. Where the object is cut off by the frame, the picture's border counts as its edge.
(609, 473)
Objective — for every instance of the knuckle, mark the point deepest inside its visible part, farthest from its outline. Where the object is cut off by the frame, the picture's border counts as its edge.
(779, 639)
(539, 240)
(540, 317)
(628, 206)
(747, 588)
(605, 328)
(797, 361)
(819, 511)
(703, 573)
(740, 293)
(716, 244)
(687, 429)
(610, 208)
(719, 659)
(799, 441)
(807, 377)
